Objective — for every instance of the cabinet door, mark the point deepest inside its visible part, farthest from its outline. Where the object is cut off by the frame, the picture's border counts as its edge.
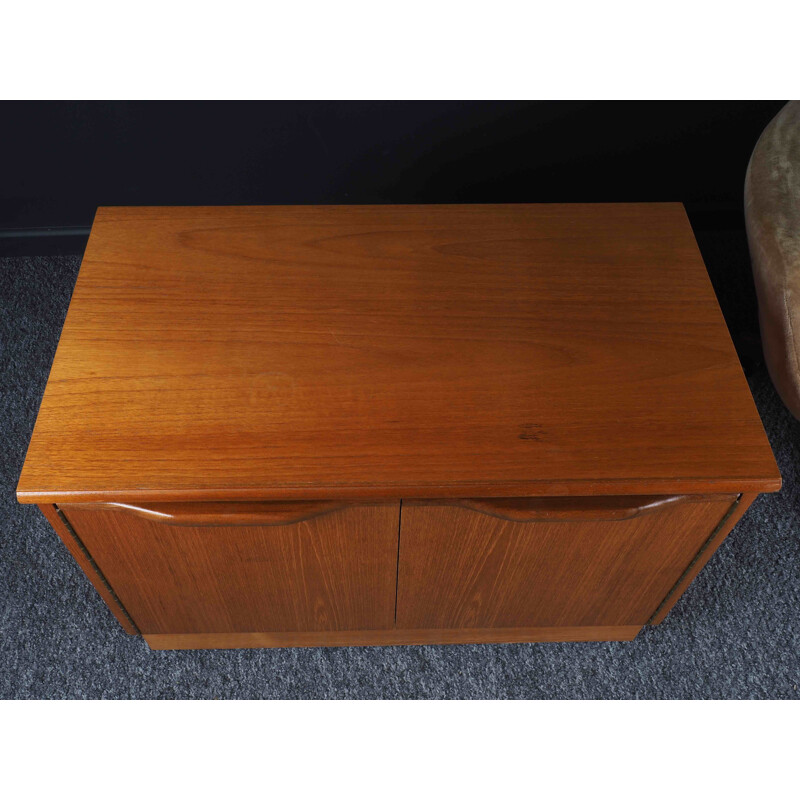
(540, 563)
(246, 567)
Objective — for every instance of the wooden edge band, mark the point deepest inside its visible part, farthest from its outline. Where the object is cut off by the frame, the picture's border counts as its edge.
(514, 509)
(556, 509)
(388, 637)
(223, 514)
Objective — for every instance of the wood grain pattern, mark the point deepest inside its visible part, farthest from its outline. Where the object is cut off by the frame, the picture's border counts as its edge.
(223, 641)
(701, 558)
(333, 572)
(463, 569)
(326, 353)
(84, 560)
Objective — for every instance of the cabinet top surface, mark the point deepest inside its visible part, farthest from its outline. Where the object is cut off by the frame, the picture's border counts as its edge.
(281, 352)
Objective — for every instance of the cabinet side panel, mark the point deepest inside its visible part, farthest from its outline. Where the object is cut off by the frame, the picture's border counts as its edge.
(717, 537)
(464, 569)
(85, 561)
(333, 572)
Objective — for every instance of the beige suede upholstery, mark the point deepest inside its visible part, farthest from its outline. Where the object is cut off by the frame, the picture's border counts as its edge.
(772, 212)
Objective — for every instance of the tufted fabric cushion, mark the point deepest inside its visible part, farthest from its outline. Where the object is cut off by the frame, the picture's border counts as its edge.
(772, 212)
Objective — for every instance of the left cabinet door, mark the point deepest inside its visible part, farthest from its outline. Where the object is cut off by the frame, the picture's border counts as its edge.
(246, 567)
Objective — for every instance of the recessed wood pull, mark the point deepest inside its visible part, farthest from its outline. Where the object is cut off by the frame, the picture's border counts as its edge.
(530, 509)
(225, 514)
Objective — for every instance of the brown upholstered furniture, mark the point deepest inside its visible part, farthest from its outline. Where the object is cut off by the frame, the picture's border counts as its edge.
(772, 211)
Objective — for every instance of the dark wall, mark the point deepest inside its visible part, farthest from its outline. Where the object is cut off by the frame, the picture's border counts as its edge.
(58, 161)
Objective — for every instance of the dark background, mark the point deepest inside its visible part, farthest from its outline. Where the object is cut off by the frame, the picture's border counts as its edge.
(60, 160)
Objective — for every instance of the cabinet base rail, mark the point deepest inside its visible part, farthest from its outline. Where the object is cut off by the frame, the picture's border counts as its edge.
(382, 638)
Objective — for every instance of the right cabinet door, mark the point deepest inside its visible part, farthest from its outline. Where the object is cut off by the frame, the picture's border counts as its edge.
(511, 563)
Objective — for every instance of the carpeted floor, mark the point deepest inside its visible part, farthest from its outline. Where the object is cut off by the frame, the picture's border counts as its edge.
(735, 634)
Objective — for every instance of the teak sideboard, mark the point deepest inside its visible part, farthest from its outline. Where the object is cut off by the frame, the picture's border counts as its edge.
(359, 425)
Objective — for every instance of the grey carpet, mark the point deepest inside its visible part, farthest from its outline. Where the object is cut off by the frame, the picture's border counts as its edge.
(735, 634)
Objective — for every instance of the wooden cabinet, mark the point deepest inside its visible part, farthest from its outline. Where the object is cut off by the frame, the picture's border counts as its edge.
(540, 564)
(333, 425)
(519, 569)
(307, 567)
